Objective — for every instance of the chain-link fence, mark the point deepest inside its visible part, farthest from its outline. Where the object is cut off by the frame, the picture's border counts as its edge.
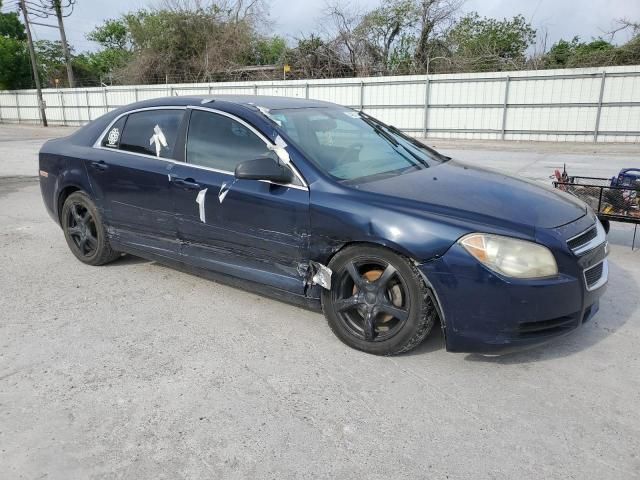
(593, 104)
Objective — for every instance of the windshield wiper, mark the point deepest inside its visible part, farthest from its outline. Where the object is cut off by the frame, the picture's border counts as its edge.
(378, 129)
(402, 135)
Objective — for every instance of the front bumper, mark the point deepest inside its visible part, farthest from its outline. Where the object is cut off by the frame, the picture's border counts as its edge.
(483, 312)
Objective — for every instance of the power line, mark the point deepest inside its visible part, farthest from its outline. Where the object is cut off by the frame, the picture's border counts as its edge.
(34, 64)
(48, 8)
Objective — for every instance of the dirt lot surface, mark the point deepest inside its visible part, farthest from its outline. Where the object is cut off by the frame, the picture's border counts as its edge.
(136, 371)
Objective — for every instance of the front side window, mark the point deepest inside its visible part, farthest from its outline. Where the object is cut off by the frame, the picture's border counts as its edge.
(152, 132)
(219, 142)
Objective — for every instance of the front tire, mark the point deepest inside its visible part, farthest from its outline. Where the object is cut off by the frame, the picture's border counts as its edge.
(378, 302)
(84, 231)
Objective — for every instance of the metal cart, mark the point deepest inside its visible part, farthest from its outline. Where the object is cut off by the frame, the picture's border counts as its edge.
(612, 201)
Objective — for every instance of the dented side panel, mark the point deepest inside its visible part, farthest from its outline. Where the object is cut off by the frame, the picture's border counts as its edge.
(338, 220)
(255, 230)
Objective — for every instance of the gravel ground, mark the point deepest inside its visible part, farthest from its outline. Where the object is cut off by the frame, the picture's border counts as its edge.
(134, 370)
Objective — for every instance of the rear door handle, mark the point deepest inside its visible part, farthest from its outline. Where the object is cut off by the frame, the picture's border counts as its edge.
(100, 165)
(188, 183)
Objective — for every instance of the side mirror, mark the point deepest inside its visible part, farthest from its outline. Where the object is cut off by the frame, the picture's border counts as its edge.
(264, 169)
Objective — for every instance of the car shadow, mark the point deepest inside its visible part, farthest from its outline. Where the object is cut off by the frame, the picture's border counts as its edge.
(433, 342)
(127, 259)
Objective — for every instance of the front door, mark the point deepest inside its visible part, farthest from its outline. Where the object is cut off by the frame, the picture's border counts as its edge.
(250, 229)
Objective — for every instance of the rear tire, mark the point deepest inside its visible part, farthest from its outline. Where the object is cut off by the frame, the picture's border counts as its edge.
(378, 302)
(84, 231)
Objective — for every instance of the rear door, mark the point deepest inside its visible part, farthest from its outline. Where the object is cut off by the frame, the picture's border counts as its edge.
(131, 177)
(247, 228)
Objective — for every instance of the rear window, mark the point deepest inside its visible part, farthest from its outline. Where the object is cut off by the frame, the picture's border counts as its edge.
(152, 132)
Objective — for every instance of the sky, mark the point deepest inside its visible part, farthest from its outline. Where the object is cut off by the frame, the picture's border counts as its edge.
(294, 18)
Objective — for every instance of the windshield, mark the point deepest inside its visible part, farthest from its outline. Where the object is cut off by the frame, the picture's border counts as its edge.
(351, 146)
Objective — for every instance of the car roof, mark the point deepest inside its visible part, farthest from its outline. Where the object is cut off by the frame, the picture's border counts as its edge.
(89, 132)
(268, 102)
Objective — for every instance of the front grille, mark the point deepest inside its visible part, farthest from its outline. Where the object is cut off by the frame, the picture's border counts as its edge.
(583, 238)
(547, 327)
(593, 274)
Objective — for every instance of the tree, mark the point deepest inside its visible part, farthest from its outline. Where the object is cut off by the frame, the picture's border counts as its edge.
(11, 26)
(486, 44)
(117, 50)
(435, 18)
(51, 62)
(560, 53)
(383, 31)
(598, 52)
(112, 34)
(15, 69)
(266, 51)
(185, 40)
(347, 45)
(314, 57)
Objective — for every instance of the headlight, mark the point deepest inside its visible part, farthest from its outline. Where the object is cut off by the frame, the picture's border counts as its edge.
(510, 257)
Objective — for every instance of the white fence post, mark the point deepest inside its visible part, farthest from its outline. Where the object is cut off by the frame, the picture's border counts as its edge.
(64, 114)
(105, 99)
(425, 121)
(86, 98)
(18, 106)
(505, 105)
(597, 127)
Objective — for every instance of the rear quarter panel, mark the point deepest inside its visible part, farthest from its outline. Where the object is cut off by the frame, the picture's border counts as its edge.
(61, 166)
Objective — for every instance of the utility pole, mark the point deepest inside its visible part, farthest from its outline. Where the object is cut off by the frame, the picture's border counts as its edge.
(65, 45)
(34, 64)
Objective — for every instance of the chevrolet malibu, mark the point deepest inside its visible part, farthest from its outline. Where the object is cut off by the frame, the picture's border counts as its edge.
(329, 208)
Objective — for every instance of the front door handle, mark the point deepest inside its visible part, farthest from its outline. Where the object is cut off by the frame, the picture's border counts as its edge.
(188, 183)
(99, 165)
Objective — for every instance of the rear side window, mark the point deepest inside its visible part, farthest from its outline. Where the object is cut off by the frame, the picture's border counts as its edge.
(151, 132)
(112, 138)
(219, 142)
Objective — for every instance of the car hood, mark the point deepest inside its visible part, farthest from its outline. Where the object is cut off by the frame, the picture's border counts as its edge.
(460, 190)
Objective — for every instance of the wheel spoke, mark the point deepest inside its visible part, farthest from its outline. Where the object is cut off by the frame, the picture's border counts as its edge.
(82, 244)
(347, 303)
(92, 242)
(74, 231)
(388, 273)
(355, 275)
(369, 325)
(76, 216)
(396, 312)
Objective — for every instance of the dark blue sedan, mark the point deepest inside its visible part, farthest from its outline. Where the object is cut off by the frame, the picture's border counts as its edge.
(327, 207)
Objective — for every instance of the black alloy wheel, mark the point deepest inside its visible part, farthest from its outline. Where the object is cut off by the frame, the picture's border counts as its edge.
(81, 227)
(371, 300)
(378, 301)
(84, 230)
